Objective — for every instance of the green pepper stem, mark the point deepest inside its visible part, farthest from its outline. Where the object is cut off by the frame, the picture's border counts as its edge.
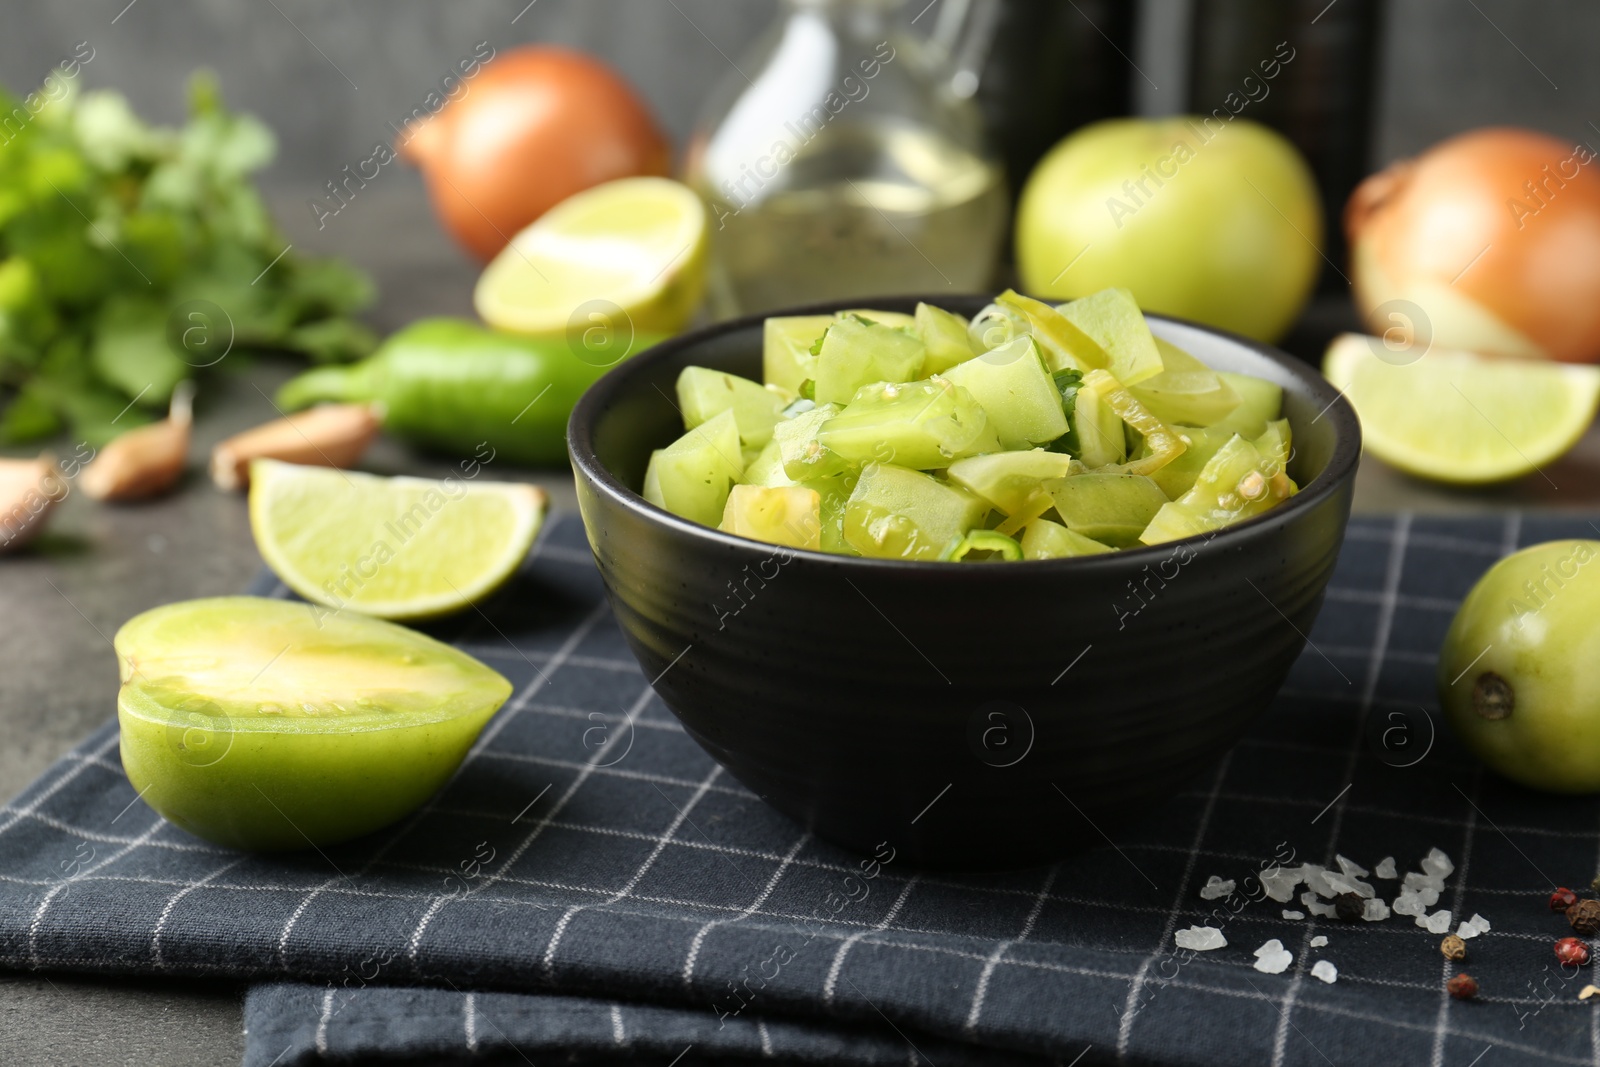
(337, 384)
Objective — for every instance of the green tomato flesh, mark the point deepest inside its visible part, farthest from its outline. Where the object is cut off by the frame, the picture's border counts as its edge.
(1059, 430)
(266, 725)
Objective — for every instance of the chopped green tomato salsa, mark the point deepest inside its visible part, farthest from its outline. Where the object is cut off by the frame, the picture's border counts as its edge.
(1031, 432)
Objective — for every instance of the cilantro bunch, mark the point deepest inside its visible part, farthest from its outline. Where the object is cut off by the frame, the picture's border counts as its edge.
(131, 256)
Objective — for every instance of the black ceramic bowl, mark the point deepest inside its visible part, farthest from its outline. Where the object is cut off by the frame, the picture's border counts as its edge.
(978, 716)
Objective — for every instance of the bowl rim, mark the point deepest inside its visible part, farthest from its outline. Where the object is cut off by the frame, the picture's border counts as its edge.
(1335, 475)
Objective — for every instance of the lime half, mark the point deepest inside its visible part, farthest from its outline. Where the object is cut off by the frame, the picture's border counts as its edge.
(1462, 418)
(396, 548)
(634, 247)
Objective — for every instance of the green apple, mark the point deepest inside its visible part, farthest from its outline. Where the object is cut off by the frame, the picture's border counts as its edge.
(1212, 222)
(266, 724)
(1519, 673)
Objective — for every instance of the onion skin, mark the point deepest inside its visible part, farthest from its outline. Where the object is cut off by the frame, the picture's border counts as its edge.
(1495, 267)
(536, 125)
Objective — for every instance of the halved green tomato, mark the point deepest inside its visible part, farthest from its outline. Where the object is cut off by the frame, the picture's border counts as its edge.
(267, 724)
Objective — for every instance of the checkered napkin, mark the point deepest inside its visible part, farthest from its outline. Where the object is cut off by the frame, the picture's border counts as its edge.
(592, 887)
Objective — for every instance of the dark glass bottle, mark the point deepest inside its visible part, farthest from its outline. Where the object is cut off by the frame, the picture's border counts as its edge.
(1322, 99)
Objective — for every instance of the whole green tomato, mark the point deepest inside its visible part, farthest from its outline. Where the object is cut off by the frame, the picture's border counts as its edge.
(1519, 674)
(1203, 220)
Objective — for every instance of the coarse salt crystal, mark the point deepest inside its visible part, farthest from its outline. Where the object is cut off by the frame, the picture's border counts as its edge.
(1385, 868)
(1201, 938)
(1317, 878)
(1374, 911)
(1318, 941)
(1216, 888)
(1273, 958)
(1341, 885)
(1480, 922)
(1279, 883)
(1326, 971)
(1419, 882)
(1290, 914)
(1466, 930)
(1437, 863)
(1408, 903)
(1437, 923)
(1317, 907)
(1351, 868)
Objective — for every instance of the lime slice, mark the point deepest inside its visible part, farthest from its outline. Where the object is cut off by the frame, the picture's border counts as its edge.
(396, 548)
(1461, 418)
(635, 247)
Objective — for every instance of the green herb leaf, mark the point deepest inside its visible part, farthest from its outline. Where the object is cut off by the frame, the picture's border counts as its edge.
(1067, 384)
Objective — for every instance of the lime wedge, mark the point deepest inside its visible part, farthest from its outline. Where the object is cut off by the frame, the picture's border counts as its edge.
(396, 548)
(635, 246)
(1462, 418)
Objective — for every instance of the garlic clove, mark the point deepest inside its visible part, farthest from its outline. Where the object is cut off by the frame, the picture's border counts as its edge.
(146, 461)
(29, 490)
(329, 435)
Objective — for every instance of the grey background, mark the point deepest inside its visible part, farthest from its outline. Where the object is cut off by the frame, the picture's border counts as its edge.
(1448, 65)
(330, 75)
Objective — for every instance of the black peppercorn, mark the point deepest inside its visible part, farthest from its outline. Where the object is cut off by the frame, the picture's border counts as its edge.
(1585, 917)
(1349, 906)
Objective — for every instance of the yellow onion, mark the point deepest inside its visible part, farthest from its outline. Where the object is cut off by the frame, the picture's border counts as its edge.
(1488, 242)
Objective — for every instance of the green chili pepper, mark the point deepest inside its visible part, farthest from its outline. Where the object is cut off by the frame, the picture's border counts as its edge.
(451, 385)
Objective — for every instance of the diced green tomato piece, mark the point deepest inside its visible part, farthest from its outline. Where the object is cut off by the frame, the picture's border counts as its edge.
(1043, 539)
(703, 394)
(921, 425)
(854, 354)
(897, 513)
(1236, 484)
(897, 320)
(1178, 477)
(982, 541)
(994, 326)
(1273, 445)
(945, 336)
(1098, 429)
(1260, 401)
(651, 490)
(1065, 346)
(786, 341)
(270, 724)
(804, 457)
(1164, 444)
(789, 515)
(1110, 508)
(835, 493)
(1187, 391)
(767, 468)
(1010, 480)
(1016, 392)
(1033, 509)
(1113, 320)
(691, 476)
(1172, 522)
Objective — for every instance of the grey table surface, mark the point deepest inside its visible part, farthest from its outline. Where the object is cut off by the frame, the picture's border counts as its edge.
(100, 564)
